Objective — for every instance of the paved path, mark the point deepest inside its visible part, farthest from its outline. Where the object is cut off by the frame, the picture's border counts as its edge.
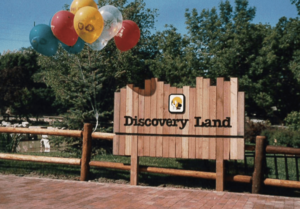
(37, 193)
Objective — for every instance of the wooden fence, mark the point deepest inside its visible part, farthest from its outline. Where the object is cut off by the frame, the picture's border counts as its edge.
(257, 179)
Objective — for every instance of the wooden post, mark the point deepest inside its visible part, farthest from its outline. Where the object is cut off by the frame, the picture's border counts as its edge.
(134, 168)
(86, 151)
(257, 180)
(220, 171)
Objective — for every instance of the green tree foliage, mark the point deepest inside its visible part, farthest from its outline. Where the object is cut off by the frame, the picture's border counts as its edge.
(230, 46)
(220, 42)
(280, 55)
(85, 83)
(18, 90)
(170, 63)
(297, 3)
(226, 44)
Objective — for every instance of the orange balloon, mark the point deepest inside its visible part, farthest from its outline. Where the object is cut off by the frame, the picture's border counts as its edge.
(78, 4)
(88, 24)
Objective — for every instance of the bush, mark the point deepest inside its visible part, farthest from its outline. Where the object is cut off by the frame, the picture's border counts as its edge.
(282, 137)
(292, 121)
(254, 129)
(9, 142)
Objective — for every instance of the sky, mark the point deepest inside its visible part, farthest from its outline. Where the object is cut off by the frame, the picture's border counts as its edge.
(17, 17)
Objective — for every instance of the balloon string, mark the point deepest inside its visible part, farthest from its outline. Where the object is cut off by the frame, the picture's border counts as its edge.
(96, 110)
(90, 99)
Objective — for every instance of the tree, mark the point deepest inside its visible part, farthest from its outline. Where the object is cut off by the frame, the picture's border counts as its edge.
(226, 44)
(86, 82)
(220, 43)
(297, 3)
(173, 63)
(18, 90)
(281, 48)
(229, 45)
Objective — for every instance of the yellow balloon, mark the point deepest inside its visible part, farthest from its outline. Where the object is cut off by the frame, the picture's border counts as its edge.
(88, 24)
(78, 4)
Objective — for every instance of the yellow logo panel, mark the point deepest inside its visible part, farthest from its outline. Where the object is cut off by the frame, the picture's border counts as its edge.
(176, 103)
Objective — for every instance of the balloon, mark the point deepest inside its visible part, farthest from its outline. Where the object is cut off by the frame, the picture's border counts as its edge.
(88, 23)
(128, 36)
(62, 27)
(112, 24)
(77, 48)
(78, 4)
(42, 40)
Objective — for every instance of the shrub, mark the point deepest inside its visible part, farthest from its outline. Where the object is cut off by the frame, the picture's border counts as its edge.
(292, 120)
(254, 129)
(282, 137)
(9, 142)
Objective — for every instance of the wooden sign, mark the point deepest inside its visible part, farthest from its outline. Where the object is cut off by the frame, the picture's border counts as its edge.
(205, 122)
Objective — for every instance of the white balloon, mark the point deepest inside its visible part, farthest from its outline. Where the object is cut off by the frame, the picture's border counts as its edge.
(112, 24)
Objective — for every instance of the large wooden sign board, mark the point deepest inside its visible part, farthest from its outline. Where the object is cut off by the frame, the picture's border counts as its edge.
(205, 122)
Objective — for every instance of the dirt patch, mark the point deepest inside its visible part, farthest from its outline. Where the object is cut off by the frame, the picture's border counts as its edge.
(99, 180)
(49, 176)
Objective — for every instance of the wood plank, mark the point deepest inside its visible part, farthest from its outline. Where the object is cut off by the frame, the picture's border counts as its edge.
(185, 131)
(166, 115)
(122, 121)
(153, 104)
(220, 115)
(147, 115)
(198, 109)
(141, 128)
(98, 135)
(205, 113)
(178, 140)
(134, 168)
(227, 113)
(160, 112)
(39, 131)
(241, 125)
(172, 140)
(192, 112)
(234, 122)
(212, 116)
(220, 174)
(116, 139)
(42, 159)
(129, 112)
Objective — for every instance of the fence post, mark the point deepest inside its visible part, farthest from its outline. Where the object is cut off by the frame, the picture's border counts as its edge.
(258, 175)
(86, 151)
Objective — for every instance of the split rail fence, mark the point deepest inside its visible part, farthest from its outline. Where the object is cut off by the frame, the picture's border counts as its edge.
(257, 179)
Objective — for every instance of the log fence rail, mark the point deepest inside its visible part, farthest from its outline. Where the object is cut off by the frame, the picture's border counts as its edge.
(257, 179)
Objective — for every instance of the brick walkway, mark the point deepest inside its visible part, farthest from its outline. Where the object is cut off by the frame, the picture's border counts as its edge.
(26, 193)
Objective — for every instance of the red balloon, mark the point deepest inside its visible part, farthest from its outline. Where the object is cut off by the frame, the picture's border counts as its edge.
(63, 29)
(128, 36)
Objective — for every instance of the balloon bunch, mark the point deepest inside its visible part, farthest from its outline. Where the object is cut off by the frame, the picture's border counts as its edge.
(84, 24)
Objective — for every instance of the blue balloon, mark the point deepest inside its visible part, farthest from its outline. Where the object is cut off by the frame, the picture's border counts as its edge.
(77, 48)
(42, 40)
